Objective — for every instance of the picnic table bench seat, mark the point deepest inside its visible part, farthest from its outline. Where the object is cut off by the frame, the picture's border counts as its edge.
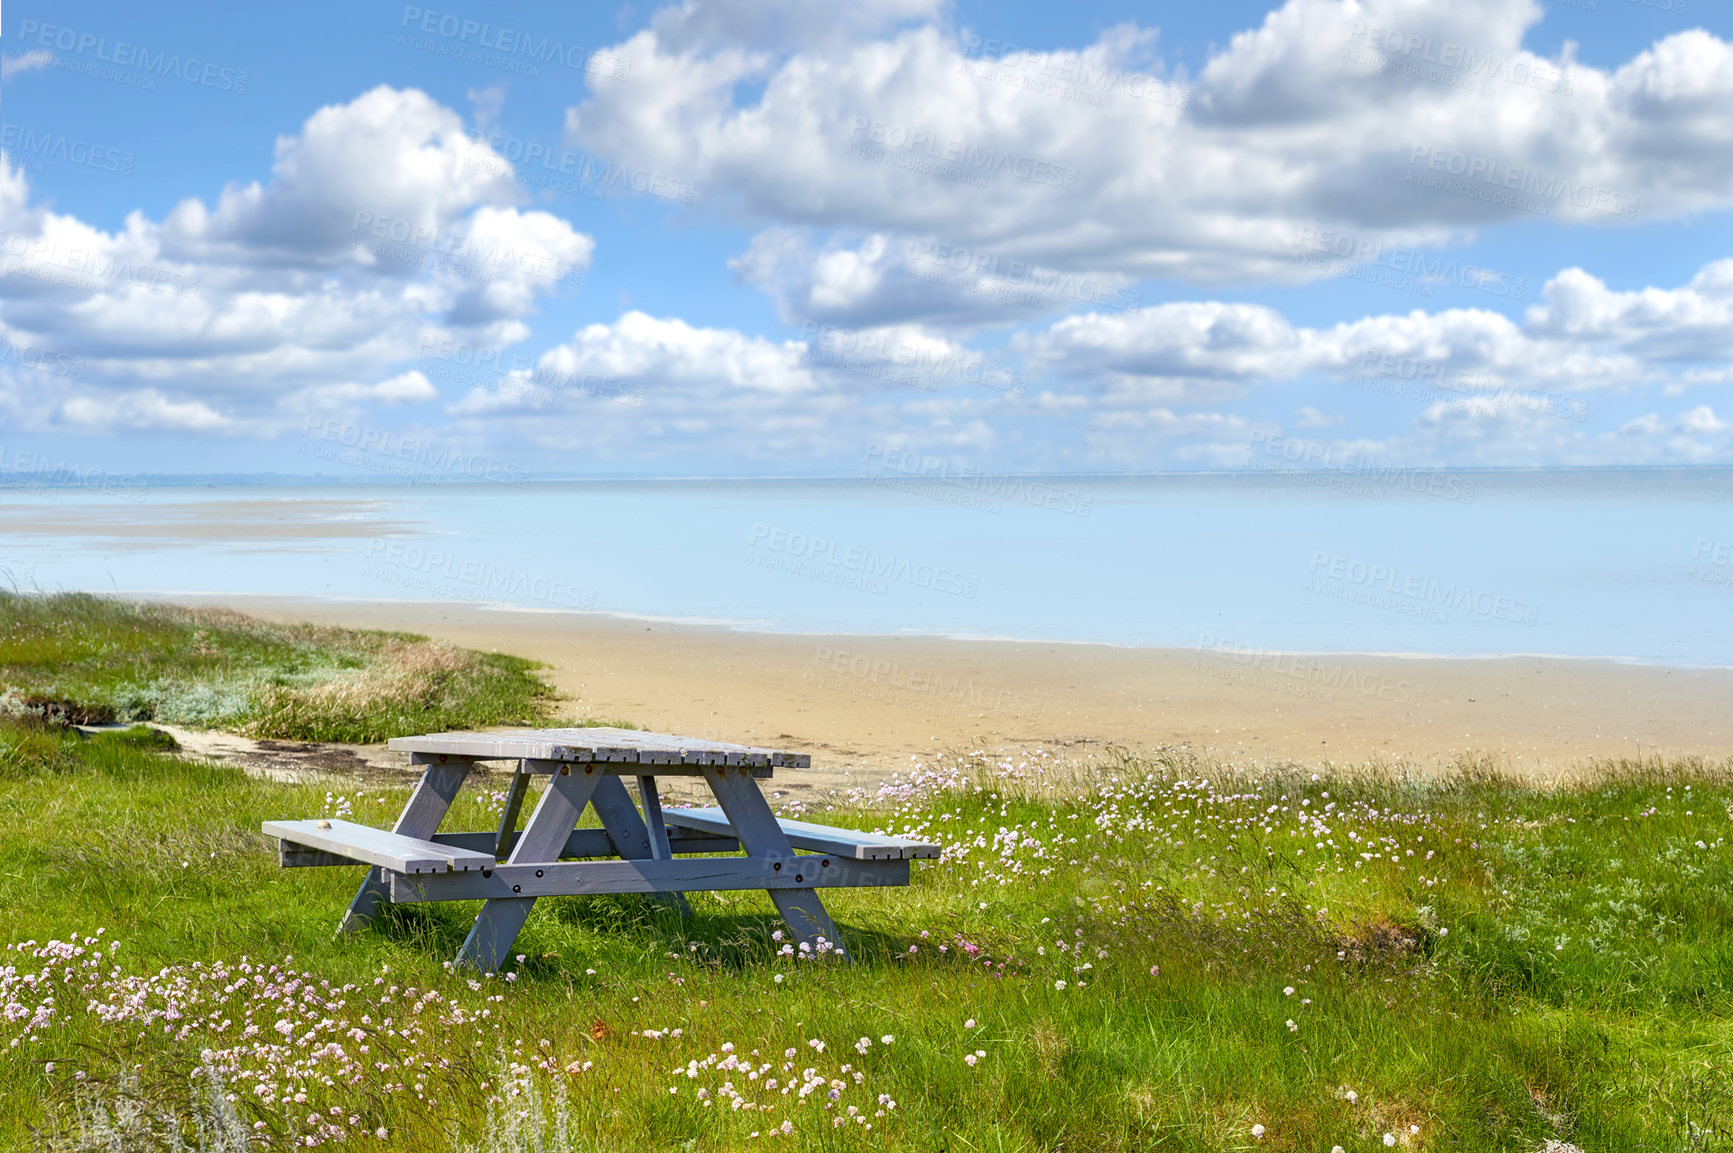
(652, 851)
(347, 841)
(304, 843)
(850, 843)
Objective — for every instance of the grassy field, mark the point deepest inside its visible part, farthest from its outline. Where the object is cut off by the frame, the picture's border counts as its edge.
(1124, 956)
(88, 658)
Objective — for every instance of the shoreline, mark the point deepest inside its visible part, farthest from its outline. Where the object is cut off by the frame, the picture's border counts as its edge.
(867, 705)
(748, 629)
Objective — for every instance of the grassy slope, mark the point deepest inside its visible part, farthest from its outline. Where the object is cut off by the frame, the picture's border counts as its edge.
(1547, 964)
(216, 668)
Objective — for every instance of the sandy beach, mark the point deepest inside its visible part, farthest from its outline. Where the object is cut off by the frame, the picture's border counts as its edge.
(863, 706)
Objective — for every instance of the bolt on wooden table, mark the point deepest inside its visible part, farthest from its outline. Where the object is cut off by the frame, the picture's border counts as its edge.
(509, 869)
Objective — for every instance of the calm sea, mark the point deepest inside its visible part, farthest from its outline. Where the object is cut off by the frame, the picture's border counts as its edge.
(1635, 565)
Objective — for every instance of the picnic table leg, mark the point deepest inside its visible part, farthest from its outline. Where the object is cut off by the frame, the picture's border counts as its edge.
(651, 800)
(421, 815)
(514, 803)
(570, 788)
(760, 835)
(633, 838)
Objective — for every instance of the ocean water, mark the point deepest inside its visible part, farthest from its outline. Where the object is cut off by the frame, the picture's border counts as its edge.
(1628, 564)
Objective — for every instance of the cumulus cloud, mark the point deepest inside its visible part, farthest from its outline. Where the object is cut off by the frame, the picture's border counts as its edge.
(645, 384)
(1178, 351)
(1585, 337)
(1312, 418)
(391, 165)
(1331, 115)
(143, 409)
(11, 66)
(881, 279)
(663, 353)
(1102, 388)
(405, 388)
(1702, 419)
(1692, 323)
(382, 226)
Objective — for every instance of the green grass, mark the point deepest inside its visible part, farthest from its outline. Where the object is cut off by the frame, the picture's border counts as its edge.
(91, 658)
(1548, 965)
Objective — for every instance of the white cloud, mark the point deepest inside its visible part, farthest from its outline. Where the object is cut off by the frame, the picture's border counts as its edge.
(648, 387)
(1301, 123)
(1702, 419)
(486, 104)
(11, 66)
(882, 279)
(1312, 418)
(144, 409)
(382, 226)
(1177, 351)
(1692, 323)
(783, 24)
(391, 165)
(664, 353)
(405, 388)
(1583, 338)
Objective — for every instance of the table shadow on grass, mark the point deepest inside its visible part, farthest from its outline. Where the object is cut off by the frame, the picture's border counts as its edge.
(733, 942)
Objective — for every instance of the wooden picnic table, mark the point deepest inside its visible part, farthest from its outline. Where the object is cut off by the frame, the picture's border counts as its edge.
(659, 851)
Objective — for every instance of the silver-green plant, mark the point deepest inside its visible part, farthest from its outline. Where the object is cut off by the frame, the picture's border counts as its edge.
(518, 1119)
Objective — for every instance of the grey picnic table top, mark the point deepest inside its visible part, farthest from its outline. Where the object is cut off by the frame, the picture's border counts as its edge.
(598, 745)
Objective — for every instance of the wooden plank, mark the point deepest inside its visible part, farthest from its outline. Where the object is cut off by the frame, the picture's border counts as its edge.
(795, 872)
(582, 843)
(818, 838)
(598, 745)
(293, 856)
(625, 768)
(514, 803)
(620, 819)
(369, 846)
(595, 842)
(651, 801)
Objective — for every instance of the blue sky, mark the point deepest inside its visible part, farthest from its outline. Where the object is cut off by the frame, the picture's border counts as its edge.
(764, 238)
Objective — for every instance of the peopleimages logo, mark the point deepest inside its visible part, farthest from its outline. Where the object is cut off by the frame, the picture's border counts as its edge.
(857, 561)
(1486, 178)
(1311, 462)
(41, 360)
(1345, 253)
(381, 450)
(122, 54)
(436, 571)
(1314, 678)
(84, 267)
(25, 144)
(1015, 280)
(894, 683)
(1712, 562)
(510, 49)
(911, 471)
(964, 156)
(1389, 587)
(460, 253)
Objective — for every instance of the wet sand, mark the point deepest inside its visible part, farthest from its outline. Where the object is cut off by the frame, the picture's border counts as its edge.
(863, 706)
